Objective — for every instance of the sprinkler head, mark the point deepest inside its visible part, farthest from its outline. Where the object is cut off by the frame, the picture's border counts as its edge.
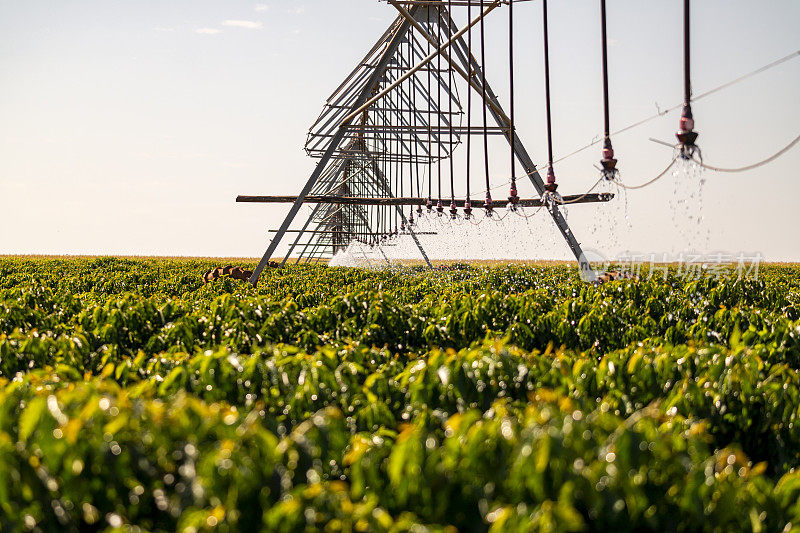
(488, 204)
(551, 199)
(513, 197)
(467, 209)
(429, 205)
(439, 207)
(686, 134)
(453, 210)
(609, 163)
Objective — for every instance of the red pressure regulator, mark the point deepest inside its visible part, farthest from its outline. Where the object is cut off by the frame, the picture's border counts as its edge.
(686, 134)
(551, 186)
(513, 197)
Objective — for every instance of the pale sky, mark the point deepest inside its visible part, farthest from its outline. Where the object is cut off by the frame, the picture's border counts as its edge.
(130, 127)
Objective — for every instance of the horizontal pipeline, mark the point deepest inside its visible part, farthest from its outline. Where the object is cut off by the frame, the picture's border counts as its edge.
(357, 200)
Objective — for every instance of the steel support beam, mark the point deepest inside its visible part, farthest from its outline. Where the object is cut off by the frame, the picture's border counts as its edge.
(431, 57)
(470, 80)
(390, 50)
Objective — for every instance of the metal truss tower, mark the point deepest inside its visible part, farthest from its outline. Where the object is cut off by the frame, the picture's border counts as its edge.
(387, 131)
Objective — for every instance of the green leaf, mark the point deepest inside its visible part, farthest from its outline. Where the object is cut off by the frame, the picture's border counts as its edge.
(31, 416)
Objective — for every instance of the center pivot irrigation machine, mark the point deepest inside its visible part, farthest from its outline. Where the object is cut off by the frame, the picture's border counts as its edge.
(386, 139)
(386, 135)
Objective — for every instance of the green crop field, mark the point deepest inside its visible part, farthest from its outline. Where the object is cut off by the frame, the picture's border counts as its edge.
(507, 398)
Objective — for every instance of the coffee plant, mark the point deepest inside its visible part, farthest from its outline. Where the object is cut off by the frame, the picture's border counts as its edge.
(135, 397)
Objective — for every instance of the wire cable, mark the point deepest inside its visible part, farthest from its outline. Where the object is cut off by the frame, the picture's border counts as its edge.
(498, 217)
(770, 159)
(521, 212)
(650, 182)
(706, 94)
(587, 193)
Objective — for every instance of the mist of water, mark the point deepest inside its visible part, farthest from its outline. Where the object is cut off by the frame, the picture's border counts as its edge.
(531, 234)
(686, 206)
